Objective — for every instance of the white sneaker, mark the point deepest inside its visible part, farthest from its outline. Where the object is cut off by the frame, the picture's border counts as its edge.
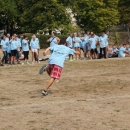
(28, 63)
(45, 93)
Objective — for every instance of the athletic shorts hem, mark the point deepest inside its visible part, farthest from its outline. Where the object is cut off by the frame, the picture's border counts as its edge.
(55, 71)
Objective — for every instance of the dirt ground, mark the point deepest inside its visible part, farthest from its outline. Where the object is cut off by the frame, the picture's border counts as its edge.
(91, 95)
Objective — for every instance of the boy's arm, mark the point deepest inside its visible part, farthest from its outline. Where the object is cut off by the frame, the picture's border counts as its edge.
(58, 40)
(44, 52)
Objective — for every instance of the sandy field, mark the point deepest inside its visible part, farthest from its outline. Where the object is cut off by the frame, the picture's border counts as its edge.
(91, 95)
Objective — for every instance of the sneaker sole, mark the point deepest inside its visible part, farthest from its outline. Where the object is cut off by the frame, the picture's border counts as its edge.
(42, 69)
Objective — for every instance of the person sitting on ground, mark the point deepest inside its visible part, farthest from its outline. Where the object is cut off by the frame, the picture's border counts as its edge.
(123, 51)
(110, 52)
(128, 49)
(21, 56)
(115, 51)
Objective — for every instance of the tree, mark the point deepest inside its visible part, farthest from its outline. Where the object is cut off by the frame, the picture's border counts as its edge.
(97, 14)
(8, 14)
(124, 10)
(39, 15)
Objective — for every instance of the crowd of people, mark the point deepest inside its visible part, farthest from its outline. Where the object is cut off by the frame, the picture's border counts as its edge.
(17, 48)
(95, 47)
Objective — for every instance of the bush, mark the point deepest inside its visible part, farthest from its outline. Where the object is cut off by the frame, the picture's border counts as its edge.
(43, 39)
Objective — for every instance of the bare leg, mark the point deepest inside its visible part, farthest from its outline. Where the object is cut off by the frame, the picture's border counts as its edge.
(32, 56)
(51, 81)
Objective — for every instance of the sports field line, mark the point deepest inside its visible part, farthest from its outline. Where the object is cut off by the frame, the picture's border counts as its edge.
(60, 102)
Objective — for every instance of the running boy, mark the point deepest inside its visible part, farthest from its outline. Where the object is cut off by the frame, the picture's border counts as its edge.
(56, 63)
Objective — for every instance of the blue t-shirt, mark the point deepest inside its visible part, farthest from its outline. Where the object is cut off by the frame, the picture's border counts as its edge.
(69, 41)
(53, 41)
(18, 44)
(93, 43)
(106, 36)
(85, 41)
(96, 38)
(4, 44)
(14, 45)
(34, 43)
(77, 41)
(25, 46)
(102, 41)
(121, 52)
(9, 48)
(115, 50)
(59, 54)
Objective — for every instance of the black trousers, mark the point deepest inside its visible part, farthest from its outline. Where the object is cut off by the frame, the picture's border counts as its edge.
(4, 57)
(104, 52)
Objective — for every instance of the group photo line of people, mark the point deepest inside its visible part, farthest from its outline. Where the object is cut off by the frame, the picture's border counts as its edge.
(15, 49)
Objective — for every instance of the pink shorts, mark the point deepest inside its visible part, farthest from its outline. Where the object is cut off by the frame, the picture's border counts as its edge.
(55, 71)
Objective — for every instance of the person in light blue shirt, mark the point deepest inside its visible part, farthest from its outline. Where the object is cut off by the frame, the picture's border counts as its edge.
(93, 50)
(34, 44)
(69, 42)
(102, 41)
(107, 42)
(9, 48)
(53, 40)
(123, 51)
(18, 48)
(4, 44)
(25, 48)
(14, 47)
(38, 48)
(77, 41)
(85, 40)
(56, 63)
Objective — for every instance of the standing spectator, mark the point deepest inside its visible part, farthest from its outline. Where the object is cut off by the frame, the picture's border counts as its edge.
(84, 45)
(4, 44)
(34, 48)
(9, 48)
(102, 41)
(106, 35)
(76, 41)
(69, 42)
(88, 45)
(80, 44)
(93, 42)
(1, 64)
(38, 48)
(25, 49)
(14, 46)
(53, 40)
(8, 37)
(18, 48)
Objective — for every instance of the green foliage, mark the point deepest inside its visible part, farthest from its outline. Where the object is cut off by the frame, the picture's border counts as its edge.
(96, 14)
(42, 15)
(8, 13)
(124, 10)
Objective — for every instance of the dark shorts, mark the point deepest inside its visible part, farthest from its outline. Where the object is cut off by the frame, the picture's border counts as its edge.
(9, 54)
(26, 53)
(13, 52)
(55, 71)
(94, 51)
